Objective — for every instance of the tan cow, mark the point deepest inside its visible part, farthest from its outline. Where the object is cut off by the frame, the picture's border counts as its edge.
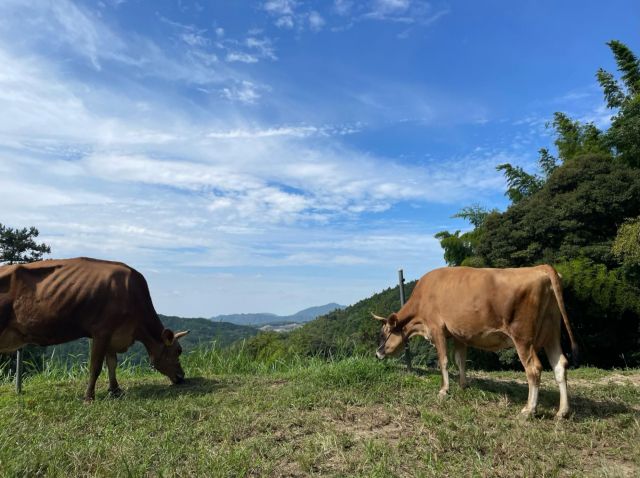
(56, 301)
(490, 309)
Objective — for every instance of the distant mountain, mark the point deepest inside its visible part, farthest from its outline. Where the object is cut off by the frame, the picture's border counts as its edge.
(266, 318)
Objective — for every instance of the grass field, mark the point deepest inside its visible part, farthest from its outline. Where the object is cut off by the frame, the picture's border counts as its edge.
(354, 417)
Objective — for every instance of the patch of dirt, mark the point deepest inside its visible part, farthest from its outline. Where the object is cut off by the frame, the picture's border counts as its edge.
(373, 422)
(614, 378)
(602, 465)
(285, 468)
(278, 383)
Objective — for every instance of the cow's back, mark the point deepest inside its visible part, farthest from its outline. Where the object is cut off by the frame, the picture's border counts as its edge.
(59, 300)
(471, 301)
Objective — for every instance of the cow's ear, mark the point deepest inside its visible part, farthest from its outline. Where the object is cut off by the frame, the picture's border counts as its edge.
(179, 335)
(392, 320)
(167, 337)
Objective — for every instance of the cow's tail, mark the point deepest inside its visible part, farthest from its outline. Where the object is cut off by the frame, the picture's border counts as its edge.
(557, 290)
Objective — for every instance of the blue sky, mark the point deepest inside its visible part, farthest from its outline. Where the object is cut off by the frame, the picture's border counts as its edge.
(272, 155)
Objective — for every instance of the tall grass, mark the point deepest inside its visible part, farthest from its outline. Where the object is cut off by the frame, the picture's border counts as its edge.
(206, 360)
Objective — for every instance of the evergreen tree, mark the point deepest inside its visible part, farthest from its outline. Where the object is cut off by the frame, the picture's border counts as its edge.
(19, 245)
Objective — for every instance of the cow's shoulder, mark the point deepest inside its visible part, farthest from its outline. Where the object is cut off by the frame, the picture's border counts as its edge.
(6, 274)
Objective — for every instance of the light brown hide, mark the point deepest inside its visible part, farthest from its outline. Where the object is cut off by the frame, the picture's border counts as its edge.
(489, 309)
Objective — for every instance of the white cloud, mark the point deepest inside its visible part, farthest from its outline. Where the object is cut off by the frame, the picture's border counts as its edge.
(63, 23)
(280, 7)
(194, 39)
(410, 12)
(342, 7)
(262, 46)
(285, 21)
(244, 92)
(293, 131)
(241, 57)
(316, 22)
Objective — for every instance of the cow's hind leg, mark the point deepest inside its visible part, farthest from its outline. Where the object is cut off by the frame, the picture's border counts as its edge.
(98, 351)
(460, 353)
(112, 363)
(440, 343)
(559, 364)
(533, 369)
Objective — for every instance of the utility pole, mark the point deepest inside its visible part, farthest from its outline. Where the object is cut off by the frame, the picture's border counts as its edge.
(407, 351)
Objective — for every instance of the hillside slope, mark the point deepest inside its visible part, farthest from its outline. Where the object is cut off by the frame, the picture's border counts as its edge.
(349, 330)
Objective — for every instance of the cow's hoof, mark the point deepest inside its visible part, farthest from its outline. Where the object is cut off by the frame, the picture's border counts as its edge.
(115, 392)
(442, 394)
(88, 400)
(526, 414)
(562, 414)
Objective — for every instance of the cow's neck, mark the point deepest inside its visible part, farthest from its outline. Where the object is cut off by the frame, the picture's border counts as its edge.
(415, 326)
(150, 334)
(411, 322)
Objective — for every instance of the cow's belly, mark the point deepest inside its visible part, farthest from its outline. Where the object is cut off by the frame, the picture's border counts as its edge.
(122, 338)
(10, 341)
(491, 340)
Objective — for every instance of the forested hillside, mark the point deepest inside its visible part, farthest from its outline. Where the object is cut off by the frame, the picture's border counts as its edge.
(202, 331)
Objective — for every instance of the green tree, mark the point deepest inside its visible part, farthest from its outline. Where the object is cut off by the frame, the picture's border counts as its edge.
(520, 184)
(460, 249)
(456, 247)
(626, 247)
(623, 137)
(19, 245)
(574, 139)
(575, 214)
(475, 214)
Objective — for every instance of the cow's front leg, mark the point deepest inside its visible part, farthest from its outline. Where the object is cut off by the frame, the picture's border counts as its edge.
(98, 351)
(441, 347)
(112, 363)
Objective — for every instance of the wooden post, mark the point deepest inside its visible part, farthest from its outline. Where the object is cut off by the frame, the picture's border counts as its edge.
(407, 350)
(19, 371)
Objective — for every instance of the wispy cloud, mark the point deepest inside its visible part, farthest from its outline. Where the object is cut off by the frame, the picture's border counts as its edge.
(243, 91)
(316, 22)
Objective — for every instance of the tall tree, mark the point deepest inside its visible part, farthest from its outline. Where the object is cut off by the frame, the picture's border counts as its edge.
(19, 245)
(628, 65)
(623, 135)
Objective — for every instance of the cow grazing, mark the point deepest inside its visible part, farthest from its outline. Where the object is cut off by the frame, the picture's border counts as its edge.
(55, 301)
(489, 309)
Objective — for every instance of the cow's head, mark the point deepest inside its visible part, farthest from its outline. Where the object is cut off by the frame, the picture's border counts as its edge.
(166, 357)
(391, 336)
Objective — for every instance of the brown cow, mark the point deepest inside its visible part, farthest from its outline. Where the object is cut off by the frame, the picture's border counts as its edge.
(489, 309)
(56, 301)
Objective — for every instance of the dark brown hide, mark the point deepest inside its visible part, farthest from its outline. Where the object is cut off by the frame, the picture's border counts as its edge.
(55, 301)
